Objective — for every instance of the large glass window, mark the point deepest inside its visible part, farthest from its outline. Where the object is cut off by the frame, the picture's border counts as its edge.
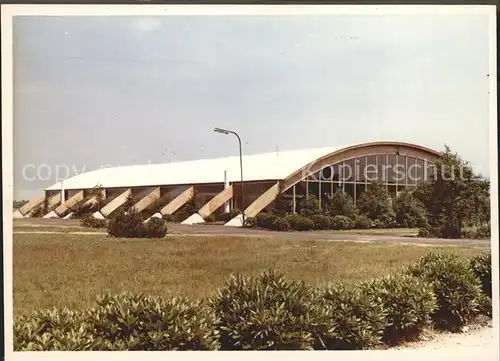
(349, 170)
(360, 169)
(382, 168)
(370, 171)
(390, 172)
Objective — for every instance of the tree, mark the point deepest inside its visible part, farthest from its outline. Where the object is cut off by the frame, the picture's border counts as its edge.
(454, 195)
(280, 206)
(376, 204)
(340, 204)
(19, 204)
(410, 212)
(308, 206)
(98, 193)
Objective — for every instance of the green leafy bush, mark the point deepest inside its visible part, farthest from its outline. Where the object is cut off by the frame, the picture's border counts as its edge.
(376, 204)
(267, 312)
(481, 268)
(119, 323)
(300, 223)
(362, 222)
(168, 217)
(155, 228)
(340, 204)
(91, 222)
(54, 330)
(129, 224)
(280, 224)
(457, 290)
(410, 212)
(321, 222)
(342, 222)
(356, 320)
(485, 305)
(264, 220)
(408, 301)
(478, 232)
(139, 322)
(424, 232)
(308, 206)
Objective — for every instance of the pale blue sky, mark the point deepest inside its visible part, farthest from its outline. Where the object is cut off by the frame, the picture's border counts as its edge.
(127, 90)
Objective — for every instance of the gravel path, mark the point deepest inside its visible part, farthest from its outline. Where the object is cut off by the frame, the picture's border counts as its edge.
(478, 344)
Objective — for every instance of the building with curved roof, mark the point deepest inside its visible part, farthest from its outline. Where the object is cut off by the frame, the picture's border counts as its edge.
(159, 189)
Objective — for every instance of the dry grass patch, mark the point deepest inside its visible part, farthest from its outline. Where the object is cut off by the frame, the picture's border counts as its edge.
(70, 270)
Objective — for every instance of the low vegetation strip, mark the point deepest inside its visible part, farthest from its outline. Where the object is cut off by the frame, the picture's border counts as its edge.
(270, 311)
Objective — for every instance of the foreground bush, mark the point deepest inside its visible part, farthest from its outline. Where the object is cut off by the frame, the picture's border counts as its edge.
(457, 290)
(91, 222)
(129, 224)
(231, 214)
(481, 268)
(408, 302)
(268, 312)
(356, 319)
(250, 222)
(120, 323)
(300, 223)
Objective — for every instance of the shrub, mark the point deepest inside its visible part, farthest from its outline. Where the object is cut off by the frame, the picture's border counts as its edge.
(91, 222)
(375, 203)
(155, 228)
(409, 303)
(321, 222)
(168, 217)
(250, 222)
(300, 223)
(410, 212)
(480, 232)
(308, 206)
(342, 222)
(280, 224)
(481, 268)
(53, 330)
(362, 222)
(485, 307)
(424, 232)
(267, 312)
(231, 214)
(139, 322)
(129, 224)
(356, 319)
(340, 204)
(264, 220)
(457, 290)
(126, 224)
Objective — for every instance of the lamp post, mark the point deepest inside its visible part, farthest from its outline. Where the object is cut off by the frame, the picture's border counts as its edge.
(227, 132)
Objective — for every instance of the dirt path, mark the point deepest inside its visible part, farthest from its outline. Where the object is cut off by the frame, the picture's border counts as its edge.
(478, 343)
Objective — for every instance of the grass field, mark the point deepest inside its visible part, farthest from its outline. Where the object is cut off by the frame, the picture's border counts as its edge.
(70, 270)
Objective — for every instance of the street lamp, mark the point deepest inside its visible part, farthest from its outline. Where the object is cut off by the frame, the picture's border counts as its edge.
(227, 132)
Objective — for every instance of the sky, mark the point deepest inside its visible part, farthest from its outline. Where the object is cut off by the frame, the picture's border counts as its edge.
(108, 90)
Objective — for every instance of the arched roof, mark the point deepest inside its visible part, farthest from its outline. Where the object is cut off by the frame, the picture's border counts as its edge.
(283, 165)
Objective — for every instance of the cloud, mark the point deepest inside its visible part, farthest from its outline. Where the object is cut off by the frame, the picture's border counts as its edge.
(147, 24)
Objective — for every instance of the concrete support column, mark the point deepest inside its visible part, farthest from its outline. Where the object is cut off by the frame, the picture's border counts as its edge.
(226, 185)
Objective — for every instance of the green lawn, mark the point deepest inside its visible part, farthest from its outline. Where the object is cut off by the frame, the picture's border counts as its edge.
(70, 270)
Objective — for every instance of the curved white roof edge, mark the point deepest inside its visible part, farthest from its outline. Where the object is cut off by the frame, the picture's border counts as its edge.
(256, 167)
(266, 166)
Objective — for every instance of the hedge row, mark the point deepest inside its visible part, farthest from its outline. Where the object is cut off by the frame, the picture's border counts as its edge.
(297, 222)
(271, 312)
